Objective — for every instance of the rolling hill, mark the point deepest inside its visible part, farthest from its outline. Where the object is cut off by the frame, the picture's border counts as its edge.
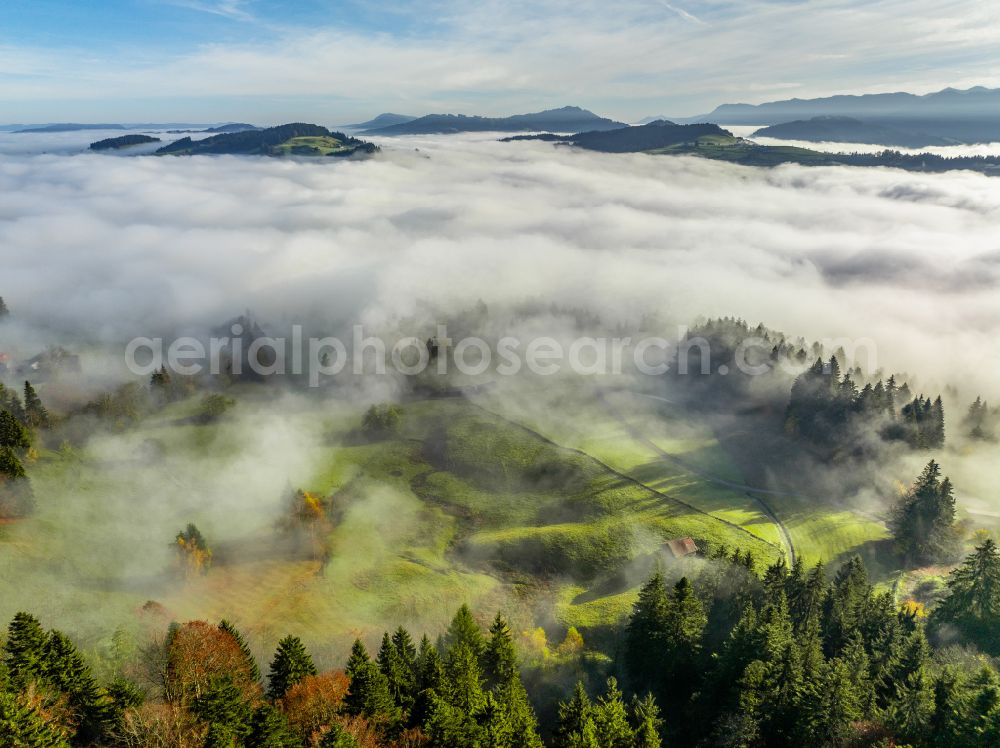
(296, 139)
(125, 141)
(848, 130)
(564, 119)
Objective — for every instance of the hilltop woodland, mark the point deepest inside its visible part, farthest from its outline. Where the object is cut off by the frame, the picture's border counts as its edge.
(739, 644)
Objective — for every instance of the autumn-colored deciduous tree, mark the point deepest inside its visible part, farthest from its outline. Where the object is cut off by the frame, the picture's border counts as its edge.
(313, 704)
(199, 653)
(193, 554)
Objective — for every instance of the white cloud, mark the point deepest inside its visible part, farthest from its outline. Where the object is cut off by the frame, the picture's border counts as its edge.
(122, 246)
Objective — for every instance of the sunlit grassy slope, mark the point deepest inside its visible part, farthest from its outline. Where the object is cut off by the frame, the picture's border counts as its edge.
(552, 512)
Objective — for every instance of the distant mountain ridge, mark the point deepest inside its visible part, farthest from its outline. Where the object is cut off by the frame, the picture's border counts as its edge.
(564, 119)
(848, 130)
(968, 116)
(68, 127)
(386, 119)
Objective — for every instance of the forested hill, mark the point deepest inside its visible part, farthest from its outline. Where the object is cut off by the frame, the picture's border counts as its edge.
(296, 139)
(564, 119)
(848, 130)
(713, 142)
(659, 134)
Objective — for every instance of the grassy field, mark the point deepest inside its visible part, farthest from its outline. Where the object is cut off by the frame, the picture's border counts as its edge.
(310, 146)
(552, 511)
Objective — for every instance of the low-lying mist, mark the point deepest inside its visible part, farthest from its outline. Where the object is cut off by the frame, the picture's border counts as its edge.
(95, 250)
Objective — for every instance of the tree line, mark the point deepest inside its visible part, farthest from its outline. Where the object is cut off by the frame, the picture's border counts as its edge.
(789, 656)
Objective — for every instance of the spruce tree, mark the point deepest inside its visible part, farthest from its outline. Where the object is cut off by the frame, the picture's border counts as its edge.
(464, 630)
(646, 722)
(222, 706)
(368, 694)
(503, 678)
(576, 722)
(429, 681)
(611, 719)
(398, 672)
(972, 603)
(644, 646)
(65, 668)
(923, 521)
(269, 729)
(291, 664)
(4, 311)
(25, 650)
(12, 433)
(21, 726)
(35, 413)
(252, 666)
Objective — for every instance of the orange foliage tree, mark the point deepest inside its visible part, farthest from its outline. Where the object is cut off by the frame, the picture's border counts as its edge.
(198, 653)
(313, 704)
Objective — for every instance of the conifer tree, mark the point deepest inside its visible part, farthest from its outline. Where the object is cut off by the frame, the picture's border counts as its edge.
(4, 311)
(973, 600)
(252, 666)
(644, 646)
(65, 668)
(429, 681)
(398, 673)
(503, 678)
(646, 722)
(611, 719)
(576, 722)
(291, 664)
(368, 694)
(464, 630)
(25, 650)
(35, 413)
(21, 726)
(269, 729)
(223, 707)
(923, 521)
(12, 433)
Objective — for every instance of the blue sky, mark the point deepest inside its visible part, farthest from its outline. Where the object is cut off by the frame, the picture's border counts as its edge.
(333, 62)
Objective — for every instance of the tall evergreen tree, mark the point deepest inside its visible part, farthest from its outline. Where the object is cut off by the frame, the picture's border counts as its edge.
(65, 668)
(503, 679)
(646, 722)
(35, 413)
(645, 654)
(973, 600)
(576, 722)
(923, 521)
(398, 672)
(464, 630)
(252, 666)
(12, 433)
(368, 694)
(291, 664)
(25, 650)
(611, 719)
